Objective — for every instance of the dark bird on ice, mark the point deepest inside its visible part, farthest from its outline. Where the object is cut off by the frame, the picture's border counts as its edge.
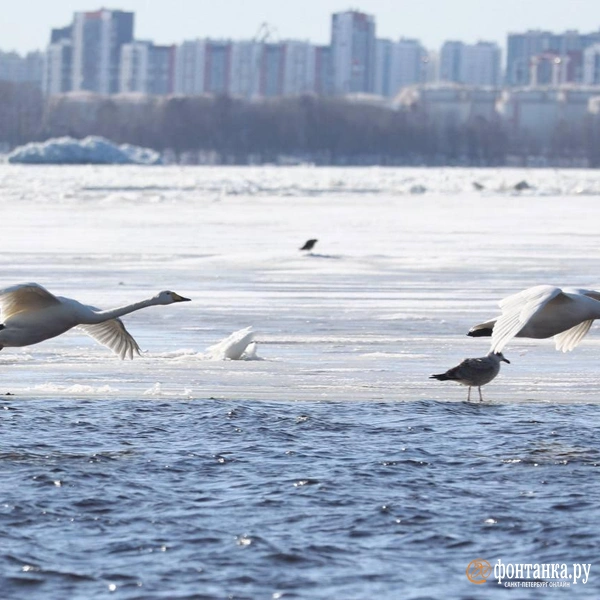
(309, 244)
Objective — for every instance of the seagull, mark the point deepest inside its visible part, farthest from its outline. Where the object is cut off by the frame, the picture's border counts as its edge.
(474, 372)
(31, 314)
(309, 244)
(541, 312)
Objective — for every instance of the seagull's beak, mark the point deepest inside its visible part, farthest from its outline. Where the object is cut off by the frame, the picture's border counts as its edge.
(505, 360)
(178, 298)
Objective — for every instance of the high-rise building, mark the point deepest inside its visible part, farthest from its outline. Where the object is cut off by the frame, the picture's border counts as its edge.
(161, 76)
(481, 64)
(521, 47)
(22, 69)
(57, 76)
(133, 74)
(58, 68)
(471, 64)
(218, 66)
(204, 67)
(408, 64)
(244, 69)
(399, 64)
(528, 56)
(146, 68)
(190, 66)
(323, 71)
(252, 69)
(383, 67)
(299, 68)
(97, 40)
(591, 65)
(61, 33)
(450, 61)
(431, 68)
(353, 49)
(271, 70)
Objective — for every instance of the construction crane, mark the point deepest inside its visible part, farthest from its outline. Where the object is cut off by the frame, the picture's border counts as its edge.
(265, 33)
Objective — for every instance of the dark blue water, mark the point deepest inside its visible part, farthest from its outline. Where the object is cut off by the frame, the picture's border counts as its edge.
(211, 499)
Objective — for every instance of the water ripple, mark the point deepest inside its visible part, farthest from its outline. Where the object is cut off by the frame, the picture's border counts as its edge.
(279, 498)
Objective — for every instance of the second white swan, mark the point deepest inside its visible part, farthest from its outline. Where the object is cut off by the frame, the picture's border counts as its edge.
(541, 312)
(31, 314)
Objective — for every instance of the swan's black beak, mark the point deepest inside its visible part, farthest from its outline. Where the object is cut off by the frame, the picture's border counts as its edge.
(505, 360)
(178, 298)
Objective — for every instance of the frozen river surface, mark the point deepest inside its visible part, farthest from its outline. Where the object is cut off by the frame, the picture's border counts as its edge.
(332, 467)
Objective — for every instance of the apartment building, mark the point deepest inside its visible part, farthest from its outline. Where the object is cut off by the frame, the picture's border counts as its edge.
(353, 47)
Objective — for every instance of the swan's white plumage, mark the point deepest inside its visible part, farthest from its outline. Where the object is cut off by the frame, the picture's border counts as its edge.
(517, 310)
(31, 314)
(545, 311)
(114, 336)
(236, 346)
(567, 340)
(25, 298)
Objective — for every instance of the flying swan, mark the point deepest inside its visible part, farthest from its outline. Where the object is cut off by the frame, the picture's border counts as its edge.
(541, 312)
(31, 314)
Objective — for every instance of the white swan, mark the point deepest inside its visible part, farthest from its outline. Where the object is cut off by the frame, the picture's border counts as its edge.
(234, 347)
(540, 312)
(31, 314)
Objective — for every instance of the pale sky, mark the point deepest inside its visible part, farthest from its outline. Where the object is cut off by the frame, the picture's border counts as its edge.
(25, 24)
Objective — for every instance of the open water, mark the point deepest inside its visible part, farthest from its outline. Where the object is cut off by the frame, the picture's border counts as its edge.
(331, 467)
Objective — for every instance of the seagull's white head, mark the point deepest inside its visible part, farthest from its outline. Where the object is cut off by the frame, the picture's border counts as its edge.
(168, 297)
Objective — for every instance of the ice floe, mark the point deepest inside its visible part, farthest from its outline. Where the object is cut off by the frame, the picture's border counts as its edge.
(89, 150)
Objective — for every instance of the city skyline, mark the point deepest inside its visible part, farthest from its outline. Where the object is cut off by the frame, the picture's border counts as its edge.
(99, 52)
(171, 24)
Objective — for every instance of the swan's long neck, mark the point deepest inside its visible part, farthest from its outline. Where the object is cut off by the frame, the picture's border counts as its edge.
(100, 316)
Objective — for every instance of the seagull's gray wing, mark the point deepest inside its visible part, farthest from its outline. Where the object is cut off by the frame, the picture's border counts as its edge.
(469, 368)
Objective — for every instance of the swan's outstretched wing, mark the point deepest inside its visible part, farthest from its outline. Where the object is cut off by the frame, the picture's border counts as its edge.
(517, 310)
(567, 340)
(24, 298)
(589, 293)
(114, 336)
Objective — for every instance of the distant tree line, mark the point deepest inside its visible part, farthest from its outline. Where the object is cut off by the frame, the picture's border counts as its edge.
(21, 113)
(318, 129)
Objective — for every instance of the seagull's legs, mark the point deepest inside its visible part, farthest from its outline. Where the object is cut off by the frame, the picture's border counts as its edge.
(480, 396)
(469, 395)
